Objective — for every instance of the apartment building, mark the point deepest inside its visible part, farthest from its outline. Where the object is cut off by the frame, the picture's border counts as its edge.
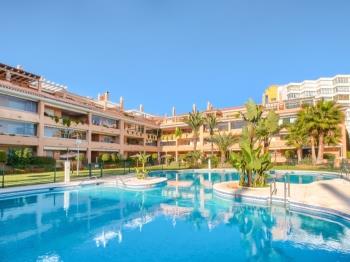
(335, 88)
(46, 117)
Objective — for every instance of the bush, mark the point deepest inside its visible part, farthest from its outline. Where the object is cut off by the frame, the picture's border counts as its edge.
(3, 157)
(19, 157)
(42, 161)
(290, 154)
(105, 157)
(348, 154)
(329, 156)
(214, 161)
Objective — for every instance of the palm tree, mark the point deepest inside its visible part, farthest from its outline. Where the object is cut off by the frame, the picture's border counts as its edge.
(306, 119)
(328, 117)
(267, 128)
(297, 137)
(212, 122)
(195, 121)
(178, 134)
(224, 142)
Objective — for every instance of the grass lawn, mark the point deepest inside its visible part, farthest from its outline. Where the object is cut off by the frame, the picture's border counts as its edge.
(49, 177)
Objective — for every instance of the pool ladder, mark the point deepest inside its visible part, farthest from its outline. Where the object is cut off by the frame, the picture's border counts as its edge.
(273, 189)
(286, 185)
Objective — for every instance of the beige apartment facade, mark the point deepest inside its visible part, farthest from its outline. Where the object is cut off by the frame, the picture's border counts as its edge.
(53, 122)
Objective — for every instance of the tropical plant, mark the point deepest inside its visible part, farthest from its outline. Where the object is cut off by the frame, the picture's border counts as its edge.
(306, 119)
(3, 157)
(252, 164)
(193, 158)
(195, 121)
(19, 157)
(142, 157)
(297, 137)
(211, 121)
(327, 118)
(267, 127)
(224, 141)
(252, 161)
(105, 157)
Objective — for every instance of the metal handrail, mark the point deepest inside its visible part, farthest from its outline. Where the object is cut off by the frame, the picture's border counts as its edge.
(273, 190)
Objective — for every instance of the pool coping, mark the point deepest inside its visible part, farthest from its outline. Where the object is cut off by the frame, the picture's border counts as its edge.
(267, 201)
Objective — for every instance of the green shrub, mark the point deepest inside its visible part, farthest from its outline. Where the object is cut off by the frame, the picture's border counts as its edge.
(329, 156)
(290, 154)
(42, 161)
(105, 157)
(3, 157)
(214, 161)
(19, 157)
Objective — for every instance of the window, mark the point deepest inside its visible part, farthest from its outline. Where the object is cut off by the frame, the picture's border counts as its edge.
(237, 124)
(106, 122)
(18, 103)
(64, 133)
(17, 128)
(222, 126)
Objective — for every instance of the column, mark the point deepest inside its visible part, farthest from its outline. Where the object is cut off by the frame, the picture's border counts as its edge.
(88, 138)
(40, 128)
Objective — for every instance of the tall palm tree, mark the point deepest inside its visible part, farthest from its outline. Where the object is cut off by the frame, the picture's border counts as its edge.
(306, 118)
(195, 121)
(297, 137)
(327, 117)
(224, 141)
(211, 121)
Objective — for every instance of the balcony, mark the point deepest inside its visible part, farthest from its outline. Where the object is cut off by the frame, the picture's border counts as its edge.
(52, 122)
(18, 115)
(101, 146)
(19, 140)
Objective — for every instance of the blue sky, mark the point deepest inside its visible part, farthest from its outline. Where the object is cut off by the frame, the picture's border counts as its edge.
(176, 52)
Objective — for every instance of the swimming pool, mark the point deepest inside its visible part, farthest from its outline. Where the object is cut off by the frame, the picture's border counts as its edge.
(170, 223)
(219, 176)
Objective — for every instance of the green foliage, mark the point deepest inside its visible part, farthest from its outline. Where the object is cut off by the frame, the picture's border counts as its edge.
(195, 121)
(105, 157)
(193, 158)
(348, 154)
(178, 132)
(19, 157)
(81, 157)
(290, 154)
(3, 157)
(115, 157)
(214, 161)
(267, 127)
(42, 161)
(211, 121)
(252, 162)
(142, 157)
(224, 141)
(329, 156)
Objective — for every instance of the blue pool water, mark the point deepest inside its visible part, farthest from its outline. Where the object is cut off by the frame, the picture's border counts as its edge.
(187, 223)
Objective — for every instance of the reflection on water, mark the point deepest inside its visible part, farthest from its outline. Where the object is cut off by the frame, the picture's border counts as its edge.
(176, 222)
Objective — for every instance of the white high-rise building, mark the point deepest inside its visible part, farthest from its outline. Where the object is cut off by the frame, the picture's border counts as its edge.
(335, 88)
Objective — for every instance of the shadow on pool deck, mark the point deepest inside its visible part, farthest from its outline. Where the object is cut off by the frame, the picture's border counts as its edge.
(339, 195)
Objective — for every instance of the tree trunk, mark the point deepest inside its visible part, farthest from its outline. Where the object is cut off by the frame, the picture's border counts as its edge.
(249, 179)
(320, 148)
(313, 152)
(194, 142)
(299, 154)
(176, 153)
(212, 148)
(222, 159)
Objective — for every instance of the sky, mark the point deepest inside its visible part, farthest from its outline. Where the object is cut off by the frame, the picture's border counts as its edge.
(164, 53)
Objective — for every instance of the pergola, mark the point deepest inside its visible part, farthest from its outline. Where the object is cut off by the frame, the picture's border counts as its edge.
(18, 76)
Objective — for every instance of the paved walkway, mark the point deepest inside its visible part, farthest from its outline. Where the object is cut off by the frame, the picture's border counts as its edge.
(330, 194)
